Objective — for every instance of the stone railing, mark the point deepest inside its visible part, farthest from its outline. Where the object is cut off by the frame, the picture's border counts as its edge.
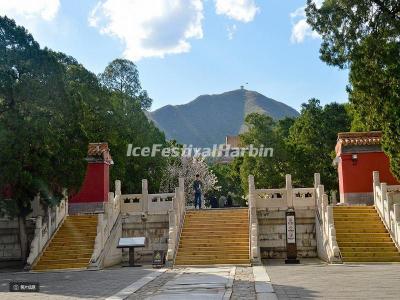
(327, 246)
(176, 218)
(253, 222)
(387, 204)
(146, 203)
(106, 222)
(45, 228)
(283, 198)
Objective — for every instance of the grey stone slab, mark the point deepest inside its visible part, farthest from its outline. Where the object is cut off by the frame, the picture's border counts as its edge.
(267, 296)
(263, 287)
(317, 280)
(73, 284)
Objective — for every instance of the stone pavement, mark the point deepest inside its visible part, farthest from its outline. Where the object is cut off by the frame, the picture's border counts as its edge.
(188, 283)
(68, 285)
(313, 279)
(243, 285)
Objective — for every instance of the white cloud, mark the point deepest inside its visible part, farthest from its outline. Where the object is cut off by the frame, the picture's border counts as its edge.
(301, 29)
(30, 9)
(239, 10)
(151, 28)
(231, 31)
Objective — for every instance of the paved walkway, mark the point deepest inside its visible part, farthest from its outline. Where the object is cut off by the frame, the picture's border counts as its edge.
(73, 284)
(188, 283)
(313, 279)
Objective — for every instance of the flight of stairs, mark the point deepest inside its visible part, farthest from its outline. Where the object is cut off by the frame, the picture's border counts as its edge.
(214, 236)
(72, 246)
(361, 235)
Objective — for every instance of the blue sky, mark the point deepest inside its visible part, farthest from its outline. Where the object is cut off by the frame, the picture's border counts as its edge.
(187, 48)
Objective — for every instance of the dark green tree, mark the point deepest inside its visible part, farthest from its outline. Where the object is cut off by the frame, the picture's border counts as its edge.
(311, 142)
(122, 76)
(51, 107)
(364, 36)
(269, 172)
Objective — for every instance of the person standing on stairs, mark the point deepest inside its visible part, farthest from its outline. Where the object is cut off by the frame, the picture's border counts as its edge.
(197, 186)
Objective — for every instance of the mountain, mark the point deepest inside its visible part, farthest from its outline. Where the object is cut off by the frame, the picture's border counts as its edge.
(208, 119)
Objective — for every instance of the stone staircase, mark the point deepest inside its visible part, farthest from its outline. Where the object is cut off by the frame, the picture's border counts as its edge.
(214, 236)
(361, 235)
(72, 246)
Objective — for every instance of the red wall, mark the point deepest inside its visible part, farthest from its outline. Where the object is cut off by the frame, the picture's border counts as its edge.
(357, 177)
(95, 187)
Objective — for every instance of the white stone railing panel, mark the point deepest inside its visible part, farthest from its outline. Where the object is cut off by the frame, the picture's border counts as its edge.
(303, 197)
(254, 197)
(44, 230)
(131, 203)
(160, 203)
(387, 204)
(176, 219)
(106, 222)
(270, 198)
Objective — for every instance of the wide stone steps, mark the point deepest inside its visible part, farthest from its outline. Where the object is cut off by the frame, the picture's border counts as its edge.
(60, 266)
(366, 249)
(208, 261)
(361, 235)
(219, 236)
(370, 254)
(371, 259)
(72, 246)
(367, 244)
(372, 229)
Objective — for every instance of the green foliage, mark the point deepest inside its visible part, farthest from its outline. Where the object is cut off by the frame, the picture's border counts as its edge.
(228, 181)
(122, 76)
(51, 107)
(302, 146)
(364, 35)
(312, 139)
(269, 172)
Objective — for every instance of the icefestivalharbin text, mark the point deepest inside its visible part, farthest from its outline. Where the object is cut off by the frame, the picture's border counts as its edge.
(189, 151)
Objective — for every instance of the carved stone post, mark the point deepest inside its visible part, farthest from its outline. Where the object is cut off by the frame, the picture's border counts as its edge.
(289, 192)
(334, 198)
(145, 196)
(317, 180)
(396, 208)
(375, 178)
(38, 231)
(117, 187)
(384, 202)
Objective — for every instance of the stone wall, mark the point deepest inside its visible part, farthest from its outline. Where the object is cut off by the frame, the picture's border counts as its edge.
(10, 248)
(272, 233)
(152, 226)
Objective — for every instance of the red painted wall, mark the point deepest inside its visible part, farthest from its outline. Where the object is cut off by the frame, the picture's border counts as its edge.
(357, 177)
(95, 187)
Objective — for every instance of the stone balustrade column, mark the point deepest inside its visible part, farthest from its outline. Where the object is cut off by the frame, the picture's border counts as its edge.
(375, 183)
(251, 191)
(317, 180)
(396, 209)
(334, 198)
(145, 196)
(38, 231)
(384, 202)
(289, 191)
(117, 187)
